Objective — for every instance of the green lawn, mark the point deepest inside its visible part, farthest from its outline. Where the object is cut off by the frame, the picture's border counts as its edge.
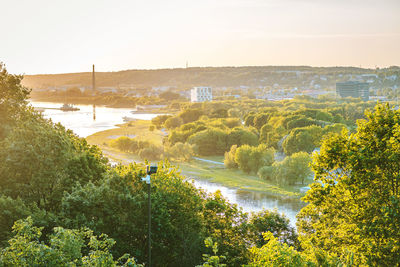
(233, 178)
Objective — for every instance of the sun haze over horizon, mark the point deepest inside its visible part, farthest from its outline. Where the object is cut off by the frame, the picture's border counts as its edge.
(69, 36)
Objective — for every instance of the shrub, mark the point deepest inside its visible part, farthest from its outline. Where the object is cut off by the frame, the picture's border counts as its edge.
(151, 152)
(180, 152)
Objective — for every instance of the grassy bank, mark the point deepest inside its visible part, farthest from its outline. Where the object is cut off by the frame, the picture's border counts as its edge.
(212, 172)
(138, 129)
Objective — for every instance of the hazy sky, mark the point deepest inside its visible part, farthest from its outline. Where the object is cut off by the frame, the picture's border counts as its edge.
(54, 36)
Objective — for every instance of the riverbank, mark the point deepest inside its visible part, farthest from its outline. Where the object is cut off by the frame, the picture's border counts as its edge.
(209, 169)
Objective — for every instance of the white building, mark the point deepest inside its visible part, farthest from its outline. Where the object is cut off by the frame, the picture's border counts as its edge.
(201, 94)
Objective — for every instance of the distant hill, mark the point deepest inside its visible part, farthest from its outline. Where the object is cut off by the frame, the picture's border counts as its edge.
(186, 78)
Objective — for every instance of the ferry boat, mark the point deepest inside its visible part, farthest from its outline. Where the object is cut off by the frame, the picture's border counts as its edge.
(68, 107)
(128, 119)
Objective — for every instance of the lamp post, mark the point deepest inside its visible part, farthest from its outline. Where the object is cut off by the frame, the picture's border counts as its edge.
(149, 171)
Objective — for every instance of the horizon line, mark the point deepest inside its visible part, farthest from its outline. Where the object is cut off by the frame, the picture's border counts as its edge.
(194, 67)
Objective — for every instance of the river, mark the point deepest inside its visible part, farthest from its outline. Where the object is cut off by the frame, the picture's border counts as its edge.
(87, 121)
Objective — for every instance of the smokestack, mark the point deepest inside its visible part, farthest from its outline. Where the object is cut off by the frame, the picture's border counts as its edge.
(93, 81)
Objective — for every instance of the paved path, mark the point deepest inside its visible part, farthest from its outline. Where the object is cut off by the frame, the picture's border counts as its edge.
(209, 161)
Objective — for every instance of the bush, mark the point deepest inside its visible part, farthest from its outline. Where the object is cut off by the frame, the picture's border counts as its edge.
(122, 143)
(180, 152)
(152, 152)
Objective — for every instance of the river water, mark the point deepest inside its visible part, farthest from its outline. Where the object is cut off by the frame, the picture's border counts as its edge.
(89, 120)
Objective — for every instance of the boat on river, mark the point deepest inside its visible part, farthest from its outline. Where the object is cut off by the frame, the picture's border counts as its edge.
(68, 107)
(128, 119)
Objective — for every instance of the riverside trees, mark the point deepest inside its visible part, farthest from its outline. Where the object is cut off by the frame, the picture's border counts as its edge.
(286, 126)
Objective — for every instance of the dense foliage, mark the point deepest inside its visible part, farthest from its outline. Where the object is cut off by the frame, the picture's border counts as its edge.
(64, 247)
(62, 204)
(354, 206)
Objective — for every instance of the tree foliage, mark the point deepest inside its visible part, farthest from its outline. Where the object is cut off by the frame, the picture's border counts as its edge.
(293, 169)
(354, 206)
(251, 159)
(180, 152)
(65, 248)
(298, 141)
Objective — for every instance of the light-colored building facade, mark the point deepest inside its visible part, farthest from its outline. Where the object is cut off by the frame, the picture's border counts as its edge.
(201, 94)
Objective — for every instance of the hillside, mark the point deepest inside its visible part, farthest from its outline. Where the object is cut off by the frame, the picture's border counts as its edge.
(211, 76)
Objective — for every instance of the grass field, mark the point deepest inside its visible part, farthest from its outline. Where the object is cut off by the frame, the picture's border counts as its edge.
(197, 169)
(138, 129)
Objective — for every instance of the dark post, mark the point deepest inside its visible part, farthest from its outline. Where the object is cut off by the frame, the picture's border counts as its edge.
(149, 234)
(149, 171)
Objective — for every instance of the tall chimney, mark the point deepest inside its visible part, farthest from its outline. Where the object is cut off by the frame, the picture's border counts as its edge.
(93, 81)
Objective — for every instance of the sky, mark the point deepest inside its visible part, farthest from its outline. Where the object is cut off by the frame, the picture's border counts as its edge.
(59, 36)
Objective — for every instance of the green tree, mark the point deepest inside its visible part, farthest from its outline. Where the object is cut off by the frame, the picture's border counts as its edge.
(212, 260)
(151, 152)
(265, 130)
(173, 122)
(159, 120)
(13, 98)
(122, 143)
(210, 142)
(226, 224)
(234, 113)
(355, 203)
(65, 248)
(298, 141)
(39, 160)
(118, 207)
(274, 222)
(251, 159)
(293, 169)
(180, 152)
(267, 173)
(229, 158)
(239, 136)
(190, 115)
(260, 120)
(274, 253)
